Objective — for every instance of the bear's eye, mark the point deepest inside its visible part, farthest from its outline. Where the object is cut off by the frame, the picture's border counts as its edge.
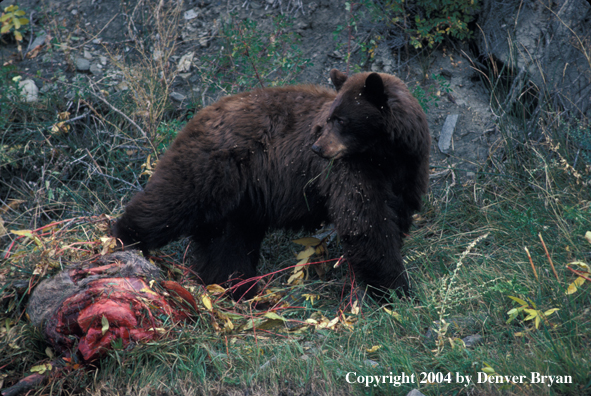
(337, 119)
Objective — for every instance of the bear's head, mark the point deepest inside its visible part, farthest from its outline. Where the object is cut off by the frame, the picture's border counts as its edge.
(356, 117)
(370, 110)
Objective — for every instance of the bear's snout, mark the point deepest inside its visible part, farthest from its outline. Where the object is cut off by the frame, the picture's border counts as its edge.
(317, 149)
(329, 146)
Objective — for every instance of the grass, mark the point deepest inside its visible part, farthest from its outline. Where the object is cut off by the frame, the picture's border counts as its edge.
(466, 257)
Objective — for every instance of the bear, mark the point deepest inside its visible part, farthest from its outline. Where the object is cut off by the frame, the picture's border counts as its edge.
(291, 157)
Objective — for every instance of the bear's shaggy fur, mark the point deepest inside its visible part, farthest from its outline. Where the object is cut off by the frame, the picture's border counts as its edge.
(291, 157)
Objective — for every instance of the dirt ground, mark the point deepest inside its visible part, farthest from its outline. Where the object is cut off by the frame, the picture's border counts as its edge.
(98, 25)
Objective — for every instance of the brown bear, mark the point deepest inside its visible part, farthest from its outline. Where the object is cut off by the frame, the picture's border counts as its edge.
(291, 157)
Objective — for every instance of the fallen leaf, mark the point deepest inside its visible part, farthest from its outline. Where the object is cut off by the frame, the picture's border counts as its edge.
(206, 302)
(105, 325)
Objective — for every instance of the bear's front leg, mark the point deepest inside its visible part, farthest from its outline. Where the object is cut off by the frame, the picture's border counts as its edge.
(372, 241)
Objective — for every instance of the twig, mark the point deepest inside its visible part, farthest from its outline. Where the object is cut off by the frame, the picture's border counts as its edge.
(32, 35)
(76, 118)
(117, 110)
(98, 168)
(96, 35)
(533, 267)
(549, 258)
(256, 71)
(579, 273)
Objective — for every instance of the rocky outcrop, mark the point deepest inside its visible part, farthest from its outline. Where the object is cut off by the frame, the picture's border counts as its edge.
(547, 42)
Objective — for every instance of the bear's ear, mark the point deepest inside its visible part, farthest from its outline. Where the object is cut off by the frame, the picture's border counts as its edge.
(375, 91)
(338, 78)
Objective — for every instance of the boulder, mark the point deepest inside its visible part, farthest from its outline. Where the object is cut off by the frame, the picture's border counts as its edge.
(547, 41)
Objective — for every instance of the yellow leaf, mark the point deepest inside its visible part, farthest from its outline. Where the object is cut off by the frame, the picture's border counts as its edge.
(229, 325)
(311, 297)
(299, 266)
(588, 236)
(373, 348)
(13, 204)
(26, 233)
(355, 308)
(581, 265)
(296, 278)
(551, 311)
(148, 291)
(320, 250)
(575, 285)
(518, 300)
(332, 323)
(394, 314)
(308, 241)
(488, 370)
(532, 314)
(213, 289)
(206, 302)
(537, 322)
(5, 29)
(105, 325)
(49, 352)
(42, 368)
(306, 253)
(518, 334)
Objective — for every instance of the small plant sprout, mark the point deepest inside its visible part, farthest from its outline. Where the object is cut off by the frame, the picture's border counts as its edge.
(13, 21)
(532, 312)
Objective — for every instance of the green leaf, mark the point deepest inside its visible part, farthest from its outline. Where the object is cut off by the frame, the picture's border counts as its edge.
(274, 316)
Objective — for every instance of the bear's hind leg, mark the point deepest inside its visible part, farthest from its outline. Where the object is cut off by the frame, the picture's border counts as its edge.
(228, 255)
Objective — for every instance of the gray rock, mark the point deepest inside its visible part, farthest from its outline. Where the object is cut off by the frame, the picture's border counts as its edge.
(82, 64)
(371, 363)
(39, 40)
(177, 96)
(191, 14)
(29, 90)
(472, 340)
(447, 133)
(95, 69)
(48, 87)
